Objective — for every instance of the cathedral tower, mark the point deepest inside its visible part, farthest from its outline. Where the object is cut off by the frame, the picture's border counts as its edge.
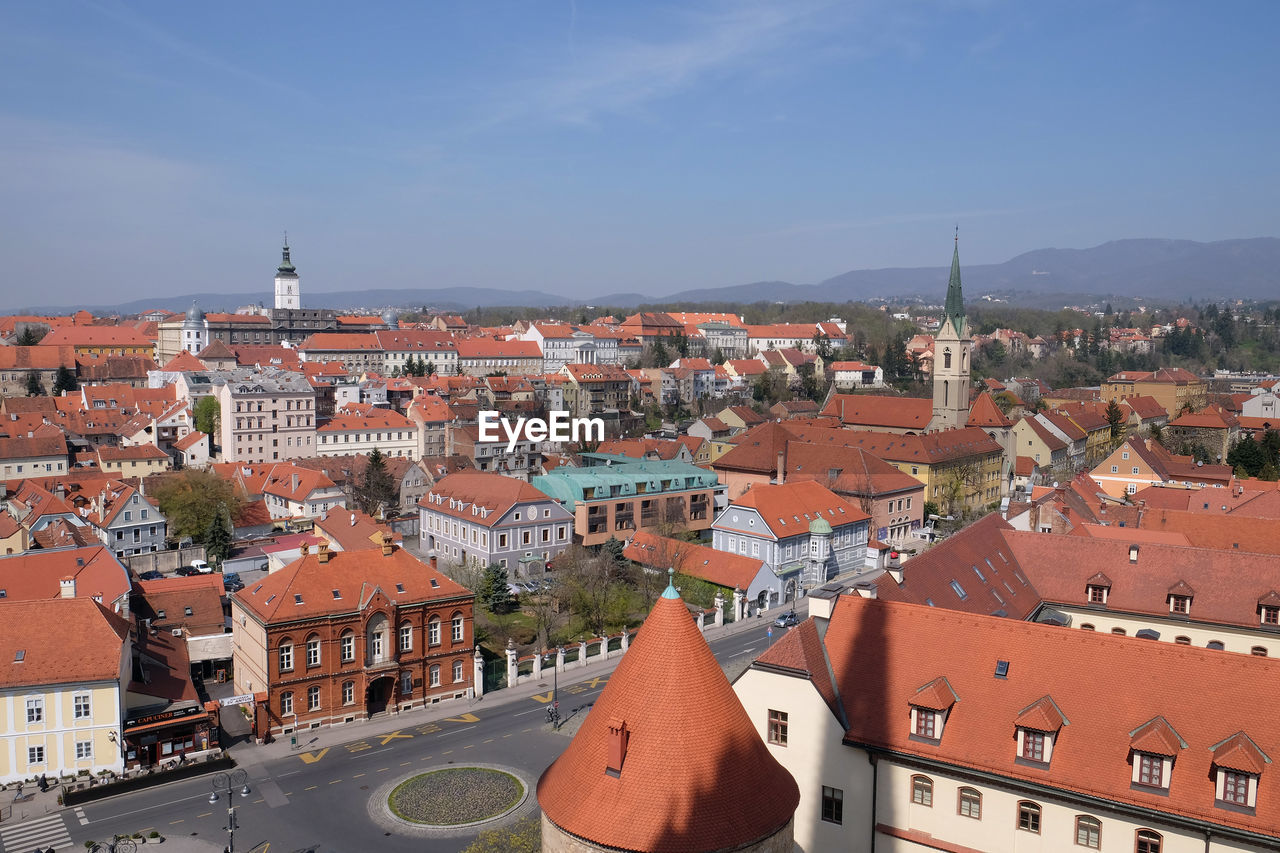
(951, 348)
(288, 291)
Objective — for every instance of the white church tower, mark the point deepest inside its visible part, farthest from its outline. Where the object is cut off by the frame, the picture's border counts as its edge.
(951, 349)
(195, 330)
(288, 291)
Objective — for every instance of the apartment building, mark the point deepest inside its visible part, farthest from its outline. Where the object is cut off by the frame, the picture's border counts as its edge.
(267, 415)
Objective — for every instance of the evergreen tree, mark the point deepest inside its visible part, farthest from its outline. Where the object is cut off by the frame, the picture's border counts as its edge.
(429, 369)
(29, 337)
(1115, 418)
(613, 548)
(1247, 454)
(217, 540)
(34, 388)
(64, 382)
(1269, 473)
(376, 489)
(492, 591)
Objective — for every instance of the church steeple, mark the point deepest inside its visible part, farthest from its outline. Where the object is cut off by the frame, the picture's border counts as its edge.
(288, 288)
(286, 266)
(955, 298)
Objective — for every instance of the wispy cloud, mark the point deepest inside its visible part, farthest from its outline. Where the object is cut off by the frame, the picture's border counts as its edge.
(612, 76)
(189, 51)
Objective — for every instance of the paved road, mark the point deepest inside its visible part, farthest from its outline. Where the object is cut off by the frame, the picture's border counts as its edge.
(315, 798)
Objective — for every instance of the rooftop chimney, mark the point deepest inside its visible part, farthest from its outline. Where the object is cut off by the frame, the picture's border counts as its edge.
(1133, 553)
(322, 551)
(67, 587)
(387, 547)
(304, 549)
(434, 563)
(782, 463)
(866, 589)
(619, 737)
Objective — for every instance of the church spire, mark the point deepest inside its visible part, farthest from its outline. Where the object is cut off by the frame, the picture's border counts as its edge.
(286, 266)
(955, 299)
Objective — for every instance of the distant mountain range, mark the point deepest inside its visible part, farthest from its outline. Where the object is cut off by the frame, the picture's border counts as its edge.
(1152, 270)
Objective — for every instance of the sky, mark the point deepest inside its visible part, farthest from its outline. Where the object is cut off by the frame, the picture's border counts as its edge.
(583, 148)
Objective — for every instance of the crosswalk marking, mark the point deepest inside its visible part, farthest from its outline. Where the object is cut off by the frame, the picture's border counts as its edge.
(48, 831)
(84, 821)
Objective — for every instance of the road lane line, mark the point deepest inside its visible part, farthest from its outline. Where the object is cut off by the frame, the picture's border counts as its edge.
(312, 788)
(174, 822)
(335, 781)
(290, 773)
(206, 814)
(383, 769)
(490, 740)
(469, 746)
(404, 764)
(357, 776)
(464, 729)
(374, 752)
(530, 711)
(508, 734)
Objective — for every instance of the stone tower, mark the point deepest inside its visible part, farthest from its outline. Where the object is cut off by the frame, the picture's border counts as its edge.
(951, 349)
(667, 760)
(288, 290)
(195, 330)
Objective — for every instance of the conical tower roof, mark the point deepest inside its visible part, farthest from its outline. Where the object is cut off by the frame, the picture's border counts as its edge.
(286, 268)
(955, 297)
(694, 775)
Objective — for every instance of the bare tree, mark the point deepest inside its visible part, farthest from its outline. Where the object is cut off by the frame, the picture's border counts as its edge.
(595, 583)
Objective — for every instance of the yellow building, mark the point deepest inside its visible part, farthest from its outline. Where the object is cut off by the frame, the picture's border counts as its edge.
(62, 691)
(1174, 388)
(101, 341)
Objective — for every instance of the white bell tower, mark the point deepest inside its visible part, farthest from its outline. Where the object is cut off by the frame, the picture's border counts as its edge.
(288, 290)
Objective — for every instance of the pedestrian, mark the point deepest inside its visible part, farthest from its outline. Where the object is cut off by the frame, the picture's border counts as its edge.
(770, 633)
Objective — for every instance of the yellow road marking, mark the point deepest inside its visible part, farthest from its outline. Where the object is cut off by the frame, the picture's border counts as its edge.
(390, 736)
(173, 822)
(469, 746)
(357, 776)
(544, 698)
(508, 734)
(206, 814)
(312, 788)
(383, 769)
(335, 781)
(404, 764)
(313, 757)
(447, 752)
(464, 718)
(255, 802)
(490, 740)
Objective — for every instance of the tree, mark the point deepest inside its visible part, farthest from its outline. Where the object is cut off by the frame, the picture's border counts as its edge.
(1115, 418)
(613, 548)
(1247, 455)
(1269, 473)
(29, 337)
(208, 413)
(64, 382)
(596, 586)
(376, 489)
(190, 502)
(217, 540)
(34, 388)
(492, 593)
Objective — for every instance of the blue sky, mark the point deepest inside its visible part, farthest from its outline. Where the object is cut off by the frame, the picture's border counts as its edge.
(587, 147)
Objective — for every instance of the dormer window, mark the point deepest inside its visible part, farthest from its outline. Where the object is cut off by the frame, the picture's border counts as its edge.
(1237, 789)
(928, 724)
(929, 709)
(1237, 766)
(1097, 594)
(1180, 604)
(1154, 745)
(1035, 746)
(1150, 770)
(1037, 726)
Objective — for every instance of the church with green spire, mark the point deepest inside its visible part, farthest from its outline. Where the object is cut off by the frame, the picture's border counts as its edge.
(951, 350)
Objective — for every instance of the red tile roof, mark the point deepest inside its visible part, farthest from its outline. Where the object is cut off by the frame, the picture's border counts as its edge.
(87, 645)
(38, 574)
(700, 561)
(37, 357)
(184, 362)
(985, 413)
(799, 653)
(482, 489)
(869, 410)
(881, 652)
(787, 509)
(696, 774)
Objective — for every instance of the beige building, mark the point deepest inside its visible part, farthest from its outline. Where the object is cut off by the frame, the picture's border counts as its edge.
(62, 692)
(1174, 388)
(358, 429)
(266, 415)
(911, 728)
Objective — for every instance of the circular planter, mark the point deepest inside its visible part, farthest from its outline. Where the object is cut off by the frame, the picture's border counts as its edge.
(450, 800)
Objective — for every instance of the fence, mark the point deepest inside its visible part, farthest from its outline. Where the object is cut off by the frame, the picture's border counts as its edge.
(163, 561)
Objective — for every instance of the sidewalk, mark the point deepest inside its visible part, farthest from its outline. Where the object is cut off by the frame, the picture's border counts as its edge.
(249, 755)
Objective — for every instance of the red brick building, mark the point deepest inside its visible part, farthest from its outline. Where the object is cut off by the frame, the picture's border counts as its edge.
(339, 636)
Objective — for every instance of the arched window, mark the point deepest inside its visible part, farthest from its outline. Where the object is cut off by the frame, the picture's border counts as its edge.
(435, 675)
(433, 631)
(922, 790)
(1088, 832)
(406, 637)
(457, 628)
(286, 655)
(457, 671)
(1148, 842)
(1182, 641)
(1029, 817)
(970, 804)
(313, 650)
(1119, 632)
(1086, 627)
(946, 358)
(1215, 644)
(1259, 651)
(348, 646)
(286, 703)
(313, 698)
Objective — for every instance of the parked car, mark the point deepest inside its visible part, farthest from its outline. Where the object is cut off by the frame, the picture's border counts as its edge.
(152, 575)
(187, 571)
(231, 581)
(201, 567)
(786, 620)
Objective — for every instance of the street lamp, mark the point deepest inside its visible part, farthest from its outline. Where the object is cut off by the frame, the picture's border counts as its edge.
(228, 782)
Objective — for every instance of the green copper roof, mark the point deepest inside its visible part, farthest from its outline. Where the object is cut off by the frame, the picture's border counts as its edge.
(286, 267)
(670, 591)
(820, 526)
(955, 299)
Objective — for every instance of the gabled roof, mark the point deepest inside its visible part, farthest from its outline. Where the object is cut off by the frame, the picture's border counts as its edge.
(695, 773)
(787, 509)
(985, 413)
(38, 574)
(1042, 715)
(800, 653)
(88, 644)
(456, 495)
(869, 410)
(184, 362)
(937, 695)
(722, 568)
(1157, 737)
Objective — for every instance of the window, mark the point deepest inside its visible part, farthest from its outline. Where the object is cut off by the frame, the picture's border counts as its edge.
(84, 750)
(1216, 645)
(1148, 842)
(433, 631)
(313, 698)
(1150, 770)
(406, 638)
(35, 755)
(1032, 745)
(1131, 489)
(922, 790)
(313, 651)
(1097, 594)
(1179, 603)
(1119, 632)
(406, 683)
(435, 675)
(832, 804)
(457, 671)
(926, 723)
(457, 627)
(1088, 832)
(1029, 817)
(82, 707)
(778, 727)
(1258, 651)
(959, 590)
(348, 692)
(971, 803)
(35, 711)
(1271, 615)
(286, 657)
(1235, 788)
(348, 647)
(1135, 469)
(286, 703)
(1087, 627)
(1182, 641)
